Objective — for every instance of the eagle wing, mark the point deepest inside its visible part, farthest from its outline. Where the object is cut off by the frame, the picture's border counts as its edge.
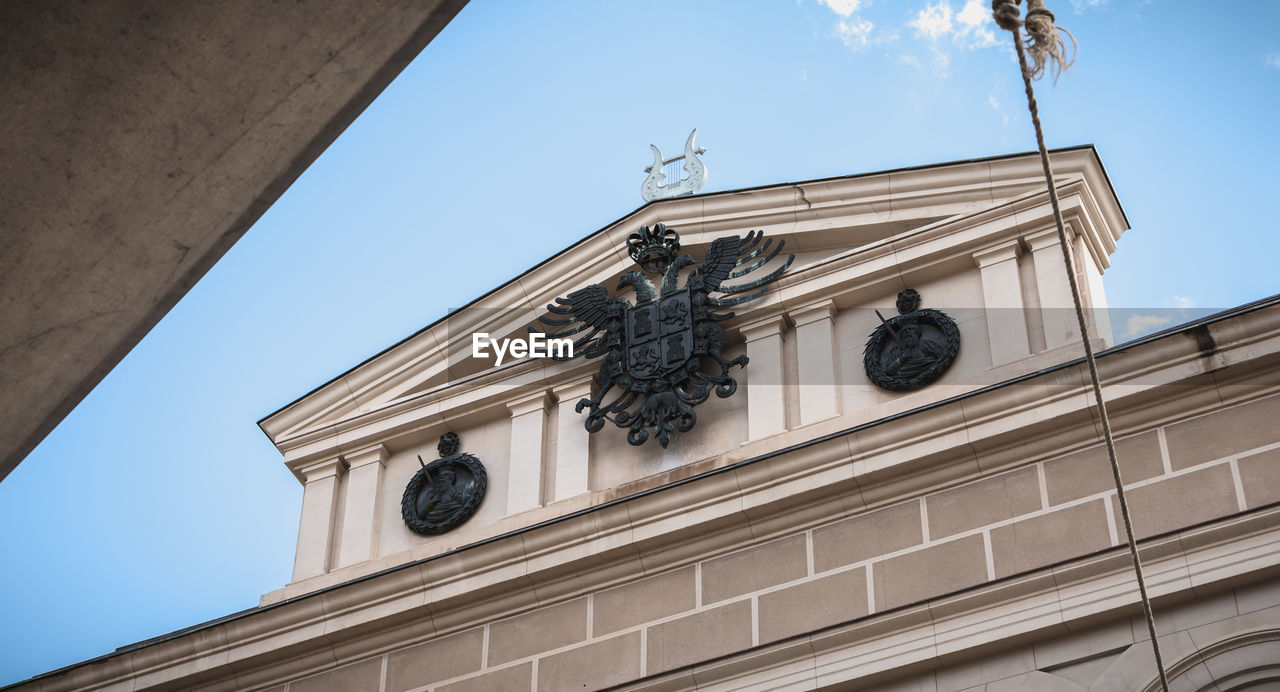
(722, 257)
(732, 257)
(588, 309)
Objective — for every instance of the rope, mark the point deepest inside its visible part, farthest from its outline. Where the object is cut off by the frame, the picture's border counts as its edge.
(1048, 48)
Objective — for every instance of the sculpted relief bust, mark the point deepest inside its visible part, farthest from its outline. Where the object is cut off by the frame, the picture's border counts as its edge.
(912, 349)
(445, 493)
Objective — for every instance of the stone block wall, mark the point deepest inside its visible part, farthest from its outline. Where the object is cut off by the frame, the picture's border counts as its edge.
(1042, 513)
(1114, 656)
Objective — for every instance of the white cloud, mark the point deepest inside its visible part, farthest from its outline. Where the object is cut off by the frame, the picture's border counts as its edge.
(973, 14)
(933, 21)
(995, 103)
(1177, 310)
(844, 8)
(971, 27)
(938, 23)
(941, 61)
(1144, 324)
(982, 37)
(976, 25)
(856, 33)
(914, 98)
(1273, 60)
(1081, 5)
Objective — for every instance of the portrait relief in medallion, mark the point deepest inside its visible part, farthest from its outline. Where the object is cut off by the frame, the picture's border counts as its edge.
(445, 493)
(913, 348)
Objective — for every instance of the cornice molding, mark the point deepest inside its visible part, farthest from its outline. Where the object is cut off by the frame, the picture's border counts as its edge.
(764, 326)
(1001, 252)
(793, 212)
(327, 468)
(538, 401)
(822, 310)
(375, 454)
(787, 490)
(859, 271)
(572, 391)
(1047, 237)
(984, 202)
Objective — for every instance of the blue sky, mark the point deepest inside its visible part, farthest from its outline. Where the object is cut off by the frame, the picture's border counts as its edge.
(158, 504)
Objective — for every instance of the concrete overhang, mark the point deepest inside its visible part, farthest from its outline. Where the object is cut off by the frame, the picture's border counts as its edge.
(138, 142)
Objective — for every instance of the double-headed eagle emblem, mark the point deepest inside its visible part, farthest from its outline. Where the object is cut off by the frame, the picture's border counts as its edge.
(653, 348)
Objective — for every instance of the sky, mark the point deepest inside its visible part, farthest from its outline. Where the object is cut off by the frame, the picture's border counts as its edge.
(158, 504)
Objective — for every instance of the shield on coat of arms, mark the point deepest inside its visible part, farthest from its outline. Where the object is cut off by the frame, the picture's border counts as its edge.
(659, 335)
(654, 350)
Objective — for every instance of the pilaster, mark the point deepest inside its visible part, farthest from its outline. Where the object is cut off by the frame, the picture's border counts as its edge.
(816, 358)
(524, 470)
(766, 403)
(1096, 312)
(359, 537)
(1002, 302)
(572, 441)
(315, 530)
(1053, 288)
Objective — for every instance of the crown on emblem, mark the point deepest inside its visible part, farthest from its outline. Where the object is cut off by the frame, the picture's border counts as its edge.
(653, 249)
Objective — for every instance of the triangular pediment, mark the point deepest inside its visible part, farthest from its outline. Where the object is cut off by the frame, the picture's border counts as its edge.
(887, 223)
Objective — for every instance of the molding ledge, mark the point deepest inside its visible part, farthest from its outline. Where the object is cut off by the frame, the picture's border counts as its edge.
(635, 530)
(1050, 601)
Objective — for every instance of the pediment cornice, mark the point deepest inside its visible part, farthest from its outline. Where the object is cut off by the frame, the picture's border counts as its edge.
(855, 231)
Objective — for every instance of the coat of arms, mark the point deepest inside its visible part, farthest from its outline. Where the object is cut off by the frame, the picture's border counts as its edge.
(654, 348)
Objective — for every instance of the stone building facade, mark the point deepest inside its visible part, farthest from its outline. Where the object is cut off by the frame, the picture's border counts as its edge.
(812, 531)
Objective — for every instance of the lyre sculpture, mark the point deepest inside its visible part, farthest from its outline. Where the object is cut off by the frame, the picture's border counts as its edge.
(653, 187)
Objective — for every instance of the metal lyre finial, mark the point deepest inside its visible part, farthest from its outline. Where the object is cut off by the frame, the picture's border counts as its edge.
(653, 187)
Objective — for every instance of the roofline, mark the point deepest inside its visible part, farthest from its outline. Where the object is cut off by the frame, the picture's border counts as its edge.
(959, 162)
(1193, 325)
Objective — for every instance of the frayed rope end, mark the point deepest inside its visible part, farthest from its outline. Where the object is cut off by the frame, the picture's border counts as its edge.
(1046, 46)
(1046, 43)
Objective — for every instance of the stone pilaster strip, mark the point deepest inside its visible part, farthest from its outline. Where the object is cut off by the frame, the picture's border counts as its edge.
(766, 402)
(816, 361)
(524, 470)
(319, 506)
(572, 441)
(359, 536)
(1002, 300)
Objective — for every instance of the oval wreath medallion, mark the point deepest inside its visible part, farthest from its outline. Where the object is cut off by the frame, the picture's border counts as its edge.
(912, 349)
(445, 493)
